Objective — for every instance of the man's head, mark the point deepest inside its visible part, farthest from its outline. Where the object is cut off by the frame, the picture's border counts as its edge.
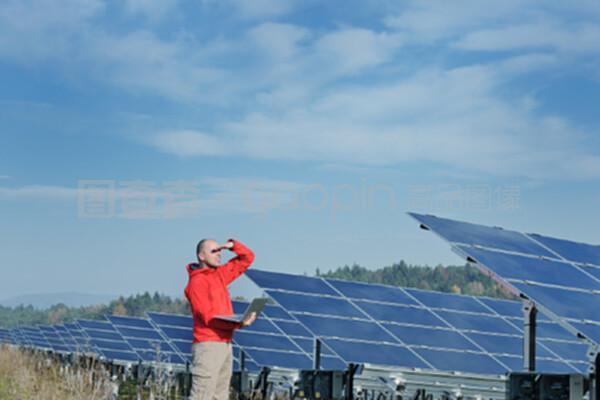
(208, 253)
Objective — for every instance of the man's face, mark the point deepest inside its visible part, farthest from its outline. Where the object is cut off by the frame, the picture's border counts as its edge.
(209, 254)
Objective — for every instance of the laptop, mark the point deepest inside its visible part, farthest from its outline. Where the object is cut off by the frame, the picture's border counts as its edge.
(256, 306)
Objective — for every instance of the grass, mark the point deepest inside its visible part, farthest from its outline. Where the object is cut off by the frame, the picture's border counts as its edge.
(25, 375)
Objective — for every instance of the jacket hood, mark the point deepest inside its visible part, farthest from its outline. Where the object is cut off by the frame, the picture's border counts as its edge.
(195, 269)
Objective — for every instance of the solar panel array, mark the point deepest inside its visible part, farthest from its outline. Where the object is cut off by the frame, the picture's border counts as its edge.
(410, 328)
(355, 322)
(562, 277)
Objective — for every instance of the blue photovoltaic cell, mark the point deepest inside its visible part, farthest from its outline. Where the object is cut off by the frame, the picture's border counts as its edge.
(262, 325)
(107, 335)
(568, 351)
(572, 251)
(293, 329)
(583, 368)
(111, 345)
(515, 267)
(463, 232)
(276, 312)
(239, 307)
(316, 305)
(546, 366)
(184, 346)
(171, 319)
(505, 308)
(564, 303)
(375, 353)
(272, 342)
(448, 301)
(481, 323)
(297, 283)
(461, 361)
(280, 359)
(343, 328)
(373, 292)
(400, 314)
(178, 333)
(500, 344)
(591, 331)
(139, 333)
(333, 363)
(130, 322)
(308, 346)
(412, 335)
(89, 324)
(552, 330)
(594, 271)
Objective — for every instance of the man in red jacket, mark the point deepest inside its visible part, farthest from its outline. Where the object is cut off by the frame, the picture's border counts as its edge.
(208, 296)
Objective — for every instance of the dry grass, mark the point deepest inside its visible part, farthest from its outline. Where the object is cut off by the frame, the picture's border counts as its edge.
(25, 376)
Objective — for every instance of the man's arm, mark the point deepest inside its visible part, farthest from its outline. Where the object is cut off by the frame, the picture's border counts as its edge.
(238, 265)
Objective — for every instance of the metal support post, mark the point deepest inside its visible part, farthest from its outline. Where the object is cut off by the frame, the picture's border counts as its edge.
(317, 355)
(350, 372)
(595, 377)
(529, 314)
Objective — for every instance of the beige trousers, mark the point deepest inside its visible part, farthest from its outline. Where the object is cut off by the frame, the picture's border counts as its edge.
(211, 371)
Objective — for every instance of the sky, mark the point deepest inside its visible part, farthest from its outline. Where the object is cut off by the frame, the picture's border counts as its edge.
(306, 129)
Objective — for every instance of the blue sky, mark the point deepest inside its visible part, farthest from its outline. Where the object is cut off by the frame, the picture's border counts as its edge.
(306, 129)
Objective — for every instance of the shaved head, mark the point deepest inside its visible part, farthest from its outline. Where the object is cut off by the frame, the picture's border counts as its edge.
(208, 253)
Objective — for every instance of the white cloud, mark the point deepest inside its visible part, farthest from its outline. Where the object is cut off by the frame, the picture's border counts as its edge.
(453, 117)
(152, 9)
(278, 41)
(583, 38)
(141, 61)
(262, 8)
(188, 143)
(32, 31)
(428, 21)
(351, 50)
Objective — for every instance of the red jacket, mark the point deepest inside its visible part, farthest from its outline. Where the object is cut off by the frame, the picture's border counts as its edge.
(208, 296)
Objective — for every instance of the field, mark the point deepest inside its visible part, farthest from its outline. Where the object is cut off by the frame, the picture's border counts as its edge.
(29, 376)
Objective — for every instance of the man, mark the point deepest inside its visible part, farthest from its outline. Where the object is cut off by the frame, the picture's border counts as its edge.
(208, 296)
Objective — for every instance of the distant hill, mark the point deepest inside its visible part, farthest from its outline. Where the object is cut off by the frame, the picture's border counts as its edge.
(43, 301)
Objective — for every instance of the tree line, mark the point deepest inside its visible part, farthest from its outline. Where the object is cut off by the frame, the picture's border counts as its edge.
(451, 279)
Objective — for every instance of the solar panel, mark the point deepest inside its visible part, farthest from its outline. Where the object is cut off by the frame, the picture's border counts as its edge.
(106, 341)
(145, 340)
(66, 338)
(480, 235)
(53, 338)
(562, 279)
(178, 330)
(429, 326)
(576, 252)
(5, 336)
(520, 268)
(35, 338)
